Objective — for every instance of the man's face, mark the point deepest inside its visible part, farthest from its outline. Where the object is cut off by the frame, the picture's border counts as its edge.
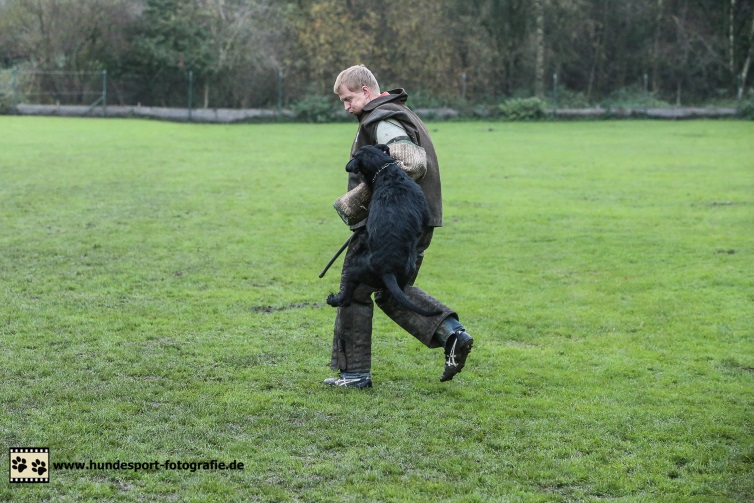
(354, 101)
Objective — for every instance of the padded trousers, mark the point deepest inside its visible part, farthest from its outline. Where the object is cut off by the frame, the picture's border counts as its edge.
(352, 337)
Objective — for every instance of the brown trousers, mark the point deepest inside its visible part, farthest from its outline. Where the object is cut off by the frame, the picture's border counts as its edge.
(352, 340)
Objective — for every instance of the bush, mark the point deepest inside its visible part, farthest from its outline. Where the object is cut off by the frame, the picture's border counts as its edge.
(317, 109)
(633, 97)
(568, 98)
(6, 105)
(521, 109)
(6, 91)
(747, 110)
(423, 99)
(746, 106)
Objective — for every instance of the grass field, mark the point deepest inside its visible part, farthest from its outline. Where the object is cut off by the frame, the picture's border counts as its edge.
(159, 300)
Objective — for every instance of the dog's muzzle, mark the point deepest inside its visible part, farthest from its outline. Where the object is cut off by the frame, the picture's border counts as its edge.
(352, 166)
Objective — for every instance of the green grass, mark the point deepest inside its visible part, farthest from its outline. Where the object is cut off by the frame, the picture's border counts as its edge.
(159, 300)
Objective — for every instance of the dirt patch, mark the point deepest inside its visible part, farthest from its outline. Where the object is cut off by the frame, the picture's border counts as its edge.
(274, 309)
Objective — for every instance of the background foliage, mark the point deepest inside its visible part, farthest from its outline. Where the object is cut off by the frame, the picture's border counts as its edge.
(457, 50)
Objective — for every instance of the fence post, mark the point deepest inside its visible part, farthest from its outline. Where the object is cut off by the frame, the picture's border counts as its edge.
(190, 92)
(280, 91)
(555, 91)
(14, 84)
(740, 93)
(104, 93)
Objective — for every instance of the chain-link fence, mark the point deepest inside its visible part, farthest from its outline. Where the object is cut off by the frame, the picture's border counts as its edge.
(97, 93)
(52, 87)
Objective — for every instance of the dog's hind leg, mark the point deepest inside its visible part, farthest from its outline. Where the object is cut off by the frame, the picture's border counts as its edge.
(343, 298)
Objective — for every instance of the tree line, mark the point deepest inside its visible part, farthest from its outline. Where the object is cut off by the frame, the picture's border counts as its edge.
(252, 53)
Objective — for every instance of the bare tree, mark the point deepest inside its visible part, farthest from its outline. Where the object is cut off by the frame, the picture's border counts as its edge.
(247, 40)
(731, 37)
(539, 37)
(747, 61)
(660, 8)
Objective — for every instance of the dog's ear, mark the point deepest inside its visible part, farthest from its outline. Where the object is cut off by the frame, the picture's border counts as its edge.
(384, 148)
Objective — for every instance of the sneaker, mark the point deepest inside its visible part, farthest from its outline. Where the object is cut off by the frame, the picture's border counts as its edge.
(455, 355)
(355, 382)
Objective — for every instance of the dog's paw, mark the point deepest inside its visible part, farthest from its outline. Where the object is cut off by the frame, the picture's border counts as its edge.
(332, 300)
(337, 301)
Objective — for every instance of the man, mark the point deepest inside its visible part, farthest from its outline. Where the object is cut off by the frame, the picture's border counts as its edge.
(384, 118)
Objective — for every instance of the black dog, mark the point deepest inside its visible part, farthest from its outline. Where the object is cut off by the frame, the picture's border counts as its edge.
(385, 253)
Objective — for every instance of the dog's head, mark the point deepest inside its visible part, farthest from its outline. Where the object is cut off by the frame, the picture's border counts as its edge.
(369, 159)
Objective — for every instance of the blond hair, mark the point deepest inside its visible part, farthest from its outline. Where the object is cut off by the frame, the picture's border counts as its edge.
(355, 78)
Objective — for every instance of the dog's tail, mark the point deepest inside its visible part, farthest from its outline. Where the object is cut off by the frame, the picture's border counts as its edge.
(392, 285)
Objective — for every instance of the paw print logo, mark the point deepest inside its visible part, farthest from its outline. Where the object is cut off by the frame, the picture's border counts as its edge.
(38, 467)
(35, 470)
(19, 464)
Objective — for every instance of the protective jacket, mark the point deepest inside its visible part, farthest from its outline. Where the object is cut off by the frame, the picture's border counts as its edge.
(393, 106)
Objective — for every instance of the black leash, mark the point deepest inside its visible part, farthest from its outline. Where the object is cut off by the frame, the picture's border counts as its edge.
(337, 254)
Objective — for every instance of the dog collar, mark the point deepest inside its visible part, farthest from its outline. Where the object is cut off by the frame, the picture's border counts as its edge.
(380, 171)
